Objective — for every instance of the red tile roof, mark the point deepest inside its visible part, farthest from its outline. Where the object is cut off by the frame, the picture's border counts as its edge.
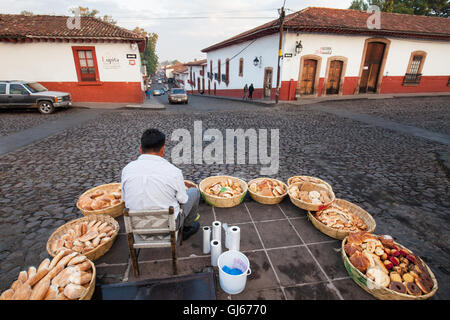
(328, 20)
(197, 63)
(13, 26)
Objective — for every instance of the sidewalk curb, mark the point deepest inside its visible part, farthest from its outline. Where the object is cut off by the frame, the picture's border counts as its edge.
(254, 102)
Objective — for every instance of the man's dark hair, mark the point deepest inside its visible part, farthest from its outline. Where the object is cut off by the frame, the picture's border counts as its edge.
(152, 140)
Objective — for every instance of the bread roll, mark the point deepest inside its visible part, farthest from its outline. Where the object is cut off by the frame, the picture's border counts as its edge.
(23, 276)
(102, 226)
(83, 228)
(78, 230)
(96, 241)
(78, 259)
(31, 272)
(56, 245)
(41, 273)
(51, 293)
(80, 277)
(61, 296)
(88, 236)
(63, 278)
(54, 272)
(83, 266)
(74, 291)
(64, 261)
(44, 264)
(91, 223)
(22, 293)
(58, 257)
(105, 239)
(16, 284)
(7, 294)
(40, 289)
(87, 249)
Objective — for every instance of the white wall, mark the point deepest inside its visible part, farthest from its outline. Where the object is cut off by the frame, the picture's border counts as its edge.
(266, 47)
(54, 62)
(352, 47)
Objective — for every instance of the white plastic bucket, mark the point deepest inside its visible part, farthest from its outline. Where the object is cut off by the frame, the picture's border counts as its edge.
(233, 284)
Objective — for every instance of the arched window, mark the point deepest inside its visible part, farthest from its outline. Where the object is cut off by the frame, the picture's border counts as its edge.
(227, 71)
(219, 75)
(414, 70)
(241, 67)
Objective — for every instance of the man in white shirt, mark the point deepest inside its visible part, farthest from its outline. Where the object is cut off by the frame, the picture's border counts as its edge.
(151, 182)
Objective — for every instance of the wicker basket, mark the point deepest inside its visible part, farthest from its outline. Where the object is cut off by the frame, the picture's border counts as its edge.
(190, 184)
(90, 290)
(219, 201)
(310, 206)
(113, 211)
(312, 179)
(265, 199)
(339, 234)
(101, 249)
(381, 292)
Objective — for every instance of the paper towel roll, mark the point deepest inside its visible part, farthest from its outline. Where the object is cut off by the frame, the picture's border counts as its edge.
(216, 231)
(234, 238)
(216, 251)
(206, 240)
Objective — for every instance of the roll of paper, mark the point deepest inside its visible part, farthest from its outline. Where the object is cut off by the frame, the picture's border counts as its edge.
(234, 238)
(217, 231)
(216, 251)
(206, 240)
(225, 228)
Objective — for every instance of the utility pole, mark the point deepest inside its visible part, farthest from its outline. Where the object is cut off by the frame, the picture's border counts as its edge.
(282, 15)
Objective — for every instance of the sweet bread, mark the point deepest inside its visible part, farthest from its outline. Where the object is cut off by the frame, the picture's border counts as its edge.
(44, 264)
(395, 277)
(78, 259)
(74, 291)
(378, 276)
(397, 287)
(40, 289)
(23, 276)
(408, 278)
(422, 286)
(22, 293)
(360, 261)
(41, 273)
(413, 289)
(7, 294)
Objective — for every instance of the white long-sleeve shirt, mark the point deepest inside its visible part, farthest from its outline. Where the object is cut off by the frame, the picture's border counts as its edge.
(151, 182)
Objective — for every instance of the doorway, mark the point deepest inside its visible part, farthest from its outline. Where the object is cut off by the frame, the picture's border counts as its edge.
(308, 82)
(334, 77)
(268, 78)
(372, 67)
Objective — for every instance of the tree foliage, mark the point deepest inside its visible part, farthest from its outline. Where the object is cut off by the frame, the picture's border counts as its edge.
(149, 54)
(438, 8)
(86, 12)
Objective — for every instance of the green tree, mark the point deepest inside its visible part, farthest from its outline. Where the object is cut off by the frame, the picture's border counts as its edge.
(439, 8)
(149, 54)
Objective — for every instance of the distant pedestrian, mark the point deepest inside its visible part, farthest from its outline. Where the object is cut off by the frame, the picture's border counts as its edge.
(250, 91)
(245, 92)
(148, 92)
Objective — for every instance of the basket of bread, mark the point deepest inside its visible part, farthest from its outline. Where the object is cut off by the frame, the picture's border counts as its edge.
(190, 184)
(267, 190)
(223, 191)
(92, 236)
(68, 276)
(340, 218)
(312, 195)
(386, 269)
(296, 179)
(104, 199)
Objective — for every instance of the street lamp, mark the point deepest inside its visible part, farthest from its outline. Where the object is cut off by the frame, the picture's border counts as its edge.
(256, 62)
(298, 47)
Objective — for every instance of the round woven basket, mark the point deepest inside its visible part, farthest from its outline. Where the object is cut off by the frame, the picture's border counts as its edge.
(381, 292)
(339, 234)
(101, 249)
(265, 199)
(113, 211)
(91, 288)
(310, 206)
(190, 184)
(219, 201)
(312, 179)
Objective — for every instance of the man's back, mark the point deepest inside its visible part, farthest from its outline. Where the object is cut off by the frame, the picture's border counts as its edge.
(151, 182)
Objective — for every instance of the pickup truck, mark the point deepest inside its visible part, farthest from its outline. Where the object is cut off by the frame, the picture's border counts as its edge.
(23, 94)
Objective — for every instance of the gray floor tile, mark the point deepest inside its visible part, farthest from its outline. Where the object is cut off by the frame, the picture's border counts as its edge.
(236, 214)
(277, 234)
(318, 291)
(308, 232)
(261, 212)
(329, 259)
(351, 291)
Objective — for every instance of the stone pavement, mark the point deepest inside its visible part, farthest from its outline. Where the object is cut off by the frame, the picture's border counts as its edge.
(395, 176)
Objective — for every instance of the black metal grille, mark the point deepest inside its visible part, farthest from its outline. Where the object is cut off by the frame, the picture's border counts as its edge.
(412, 78)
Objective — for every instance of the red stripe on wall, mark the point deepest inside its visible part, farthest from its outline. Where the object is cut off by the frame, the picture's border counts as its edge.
(427, 84)
(129, 92)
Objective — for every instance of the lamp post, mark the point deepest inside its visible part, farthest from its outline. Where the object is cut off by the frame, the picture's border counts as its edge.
(282, 15)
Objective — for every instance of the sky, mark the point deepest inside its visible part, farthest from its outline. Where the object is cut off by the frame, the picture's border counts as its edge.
(184, 27)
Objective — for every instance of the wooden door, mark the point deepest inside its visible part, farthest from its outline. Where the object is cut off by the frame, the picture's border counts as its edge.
(268, 73)
(198, 82)
(372, 66)
(334, 77)
(308, 77)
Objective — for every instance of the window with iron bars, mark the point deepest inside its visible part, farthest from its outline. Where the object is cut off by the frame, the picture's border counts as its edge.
(414, 76)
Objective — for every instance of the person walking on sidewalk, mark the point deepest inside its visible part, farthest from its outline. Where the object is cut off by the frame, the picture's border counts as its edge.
(245, 92)
(250, 91)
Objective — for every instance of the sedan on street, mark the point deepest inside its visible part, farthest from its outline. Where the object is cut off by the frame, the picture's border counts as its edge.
(178, 96)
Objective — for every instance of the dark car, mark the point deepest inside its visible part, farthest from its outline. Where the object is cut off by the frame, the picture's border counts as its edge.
(24, 94)
(178, 95)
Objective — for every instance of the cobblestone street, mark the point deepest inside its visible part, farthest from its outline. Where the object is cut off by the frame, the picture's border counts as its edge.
(395, 177)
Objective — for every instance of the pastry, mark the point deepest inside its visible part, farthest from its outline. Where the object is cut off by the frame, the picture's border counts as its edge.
(7, 294)
(23, 276)
(22, 293)
(16, 284)
(360, 261)
(397, 287)
(41, 273)
(395, 277)
(78, 259)
(422, 286)
(350, 249)
(64, 261)
(74, 291)
(387, 240)
(80, 277)
(408, 277)
(58, 257)
(51, 293)
(378, 276)
(413, 289)
(44, 264)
